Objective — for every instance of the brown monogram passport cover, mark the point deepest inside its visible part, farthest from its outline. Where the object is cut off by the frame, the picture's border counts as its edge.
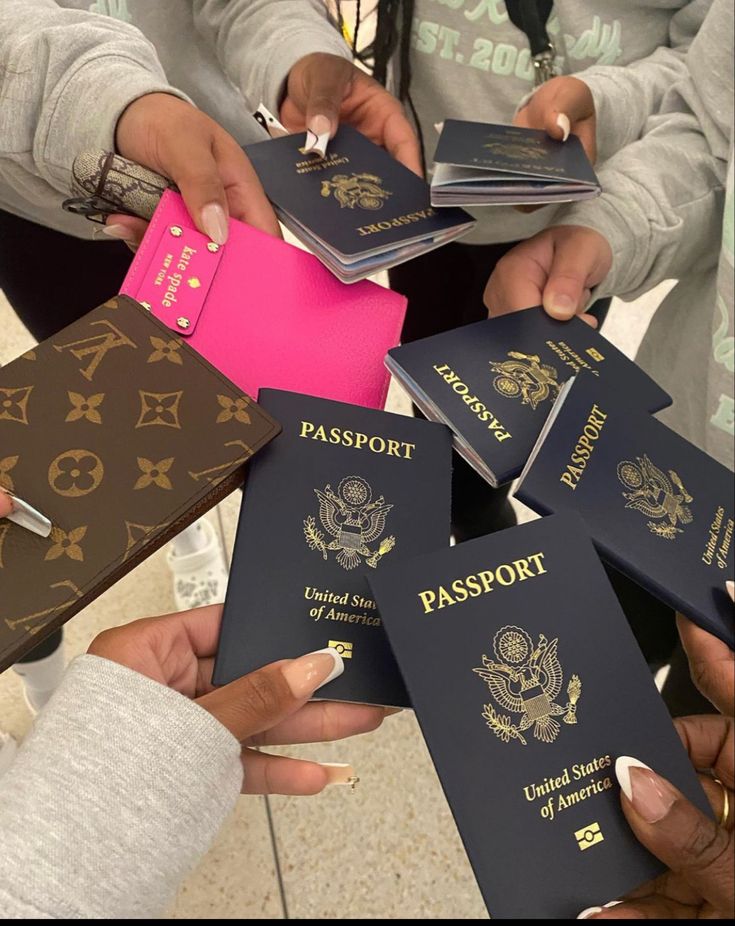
(121, 435)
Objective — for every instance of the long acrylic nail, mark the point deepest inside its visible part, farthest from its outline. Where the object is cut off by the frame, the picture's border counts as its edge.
(562, 120)
(612, 903)
(730, 586)
(651, 797)
(119, 232)
(25, 515)
(308, 673)
(561, 304)
(590, 911)
(214, 222)
(340, 773)
(317, 135)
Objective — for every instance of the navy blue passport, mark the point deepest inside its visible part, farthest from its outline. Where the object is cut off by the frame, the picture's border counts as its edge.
(658, 509)
(345, 492)
(528, 684)
(358, 209)
(494, 382)
(478, 164)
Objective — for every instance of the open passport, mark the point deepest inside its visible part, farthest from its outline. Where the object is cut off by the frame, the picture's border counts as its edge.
(528, 685)
(478, 164)
(357, 209)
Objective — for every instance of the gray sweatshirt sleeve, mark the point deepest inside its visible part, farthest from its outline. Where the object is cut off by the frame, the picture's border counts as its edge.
(626, 97)
(66, 76)
(663, 196)
(112, 799)
(259, 41)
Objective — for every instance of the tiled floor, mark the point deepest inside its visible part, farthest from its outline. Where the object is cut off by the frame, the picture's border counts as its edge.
(389, 850)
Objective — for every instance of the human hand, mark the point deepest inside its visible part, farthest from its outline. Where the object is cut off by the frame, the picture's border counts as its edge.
(211, 170)
(562, 106)
(265, 708)
(700, 882)
(556, 268)
(324, 90)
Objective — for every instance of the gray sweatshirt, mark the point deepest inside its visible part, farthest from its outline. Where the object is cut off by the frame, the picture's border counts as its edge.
(112, 799)
(667, 211)
(226, 56)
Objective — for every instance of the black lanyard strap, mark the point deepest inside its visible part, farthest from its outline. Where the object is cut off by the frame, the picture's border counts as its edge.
(531, 17)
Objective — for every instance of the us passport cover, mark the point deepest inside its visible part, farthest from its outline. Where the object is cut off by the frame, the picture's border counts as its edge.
(494, 382)
(342, 492)
(528, 685)
(658, 509)
(121, 435)
(357, 201)
(514, 150)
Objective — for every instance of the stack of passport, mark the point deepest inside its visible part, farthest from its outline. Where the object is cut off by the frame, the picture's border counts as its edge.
(357, 209)
(478, 164)
(494, 383)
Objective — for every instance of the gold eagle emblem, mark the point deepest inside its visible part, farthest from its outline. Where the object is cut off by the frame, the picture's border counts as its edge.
(362, 190)
(353, 520)
(658, 496)
(532, 381)
(526, 679)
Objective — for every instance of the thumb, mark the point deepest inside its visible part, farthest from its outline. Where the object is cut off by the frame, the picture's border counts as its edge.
(258, 701)
(320, 84)
(677, 833)
(571, 99)
(582, 259)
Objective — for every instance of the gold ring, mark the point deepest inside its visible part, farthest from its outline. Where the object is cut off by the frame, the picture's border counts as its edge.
(724, 816)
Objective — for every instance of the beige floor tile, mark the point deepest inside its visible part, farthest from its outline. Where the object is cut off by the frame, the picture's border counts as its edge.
(390, 849)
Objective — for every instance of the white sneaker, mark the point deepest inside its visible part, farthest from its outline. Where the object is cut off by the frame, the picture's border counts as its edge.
(41, 678)
(200, 578)
(8, 749)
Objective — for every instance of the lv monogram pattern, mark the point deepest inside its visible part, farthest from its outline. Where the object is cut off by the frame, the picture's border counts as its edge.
(119, 433)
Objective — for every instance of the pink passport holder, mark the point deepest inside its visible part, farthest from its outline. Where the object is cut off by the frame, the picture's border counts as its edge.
(266, 313)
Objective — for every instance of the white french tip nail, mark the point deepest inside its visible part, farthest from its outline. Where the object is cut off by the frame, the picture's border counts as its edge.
(623, 765)
(612, 903)
(25, 515)
(730, 586)
(562, 120)
(585, 914)
(339, 665)
(118, 232)
(315, 144)
(439, 126)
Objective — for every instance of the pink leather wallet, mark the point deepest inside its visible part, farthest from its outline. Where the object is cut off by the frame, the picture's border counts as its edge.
(264, 312)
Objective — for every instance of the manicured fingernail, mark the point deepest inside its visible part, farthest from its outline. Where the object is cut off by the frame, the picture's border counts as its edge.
(562, 120)
(730, 586)
(439, 127)
(308, 673)
(561, 305)
(612, 903)
(590, 911)
(317, 136)
(214, 222)
(650, 796)
(340, 773)
(392, 710)
(120, 232)
(25, 515)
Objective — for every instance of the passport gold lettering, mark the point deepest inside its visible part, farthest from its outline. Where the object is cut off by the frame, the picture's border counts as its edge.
(584, 448)
(408, 219)
(577, 772)
(356, 600)
(481, 583)
(718, 540)
(393, 448)
(474, 404)
(571, 358)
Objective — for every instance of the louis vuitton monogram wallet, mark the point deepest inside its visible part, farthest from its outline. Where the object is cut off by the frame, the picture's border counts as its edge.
(122, 435)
